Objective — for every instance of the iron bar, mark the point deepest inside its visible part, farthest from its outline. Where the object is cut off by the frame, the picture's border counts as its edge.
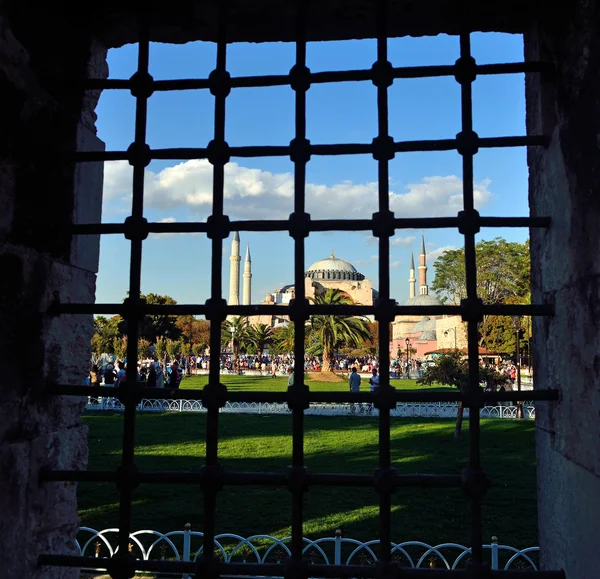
(188, 153)
(406, 72)
(314, 225)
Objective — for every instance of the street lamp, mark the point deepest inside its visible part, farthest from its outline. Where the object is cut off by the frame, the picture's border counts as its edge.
(407, 342)
(452, 330)
(517, 326)
(233, 346)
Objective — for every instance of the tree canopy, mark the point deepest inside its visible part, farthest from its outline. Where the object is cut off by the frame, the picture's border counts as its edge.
(503, 272)
(503, 277)
(335, 331)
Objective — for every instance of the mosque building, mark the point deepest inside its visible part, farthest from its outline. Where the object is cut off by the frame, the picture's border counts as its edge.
(426, 333)
(331, 272)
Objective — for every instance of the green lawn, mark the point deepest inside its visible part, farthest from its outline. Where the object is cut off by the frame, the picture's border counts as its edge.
(333, 444)
(279, 384)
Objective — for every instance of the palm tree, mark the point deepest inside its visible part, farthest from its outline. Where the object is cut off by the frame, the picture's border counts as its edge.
(334, 331)
(259, 336)
(283, 339)
(235, 330)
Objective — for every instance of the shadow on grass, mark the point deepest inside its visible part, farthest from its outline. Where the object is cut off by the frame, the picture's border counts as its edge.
(175, 442)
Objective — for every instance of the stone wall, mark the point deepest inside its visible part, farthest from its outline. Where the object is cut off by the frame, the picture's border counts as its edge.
(38, 262)
(451, 324)
(565, 184)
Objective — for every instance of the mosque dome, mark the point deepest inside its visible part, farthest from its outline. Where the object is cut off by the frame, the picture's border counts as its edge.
(423, 300)
(425, 325)
(333, 268)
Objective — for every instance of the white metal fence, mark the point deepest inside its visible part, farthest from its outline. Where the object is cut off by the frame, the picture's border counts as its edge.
(186, 545)
(406, 410)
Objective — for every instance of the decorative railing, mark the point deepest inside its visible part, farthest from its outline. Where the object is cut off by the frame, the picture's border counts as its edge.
(186, 545)
(403, 409)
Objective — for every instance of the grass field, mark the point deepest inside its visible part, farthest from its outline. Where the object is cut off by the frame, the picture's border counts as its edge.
(342, 444)
(279, 384)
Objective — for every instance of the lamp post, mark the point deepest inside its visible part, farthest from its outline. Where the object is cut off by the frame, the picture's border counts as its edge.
(407, 342)
(517, 326)
(452, 330)
(233, 346)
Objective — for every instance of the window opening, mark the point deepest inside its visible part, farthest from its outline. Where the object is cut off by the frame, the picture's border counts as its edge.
(211, 477)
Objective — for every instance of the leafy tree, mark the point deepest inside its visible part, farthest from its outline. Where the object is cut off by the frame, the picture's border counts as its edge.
(453, 370)
(260, 336)
(174, 348)
(106, 331)
(236, 331)
(156, 325)
(161, 348)
(283, 339)
(503, 271)
(194, 331)
(199, 349)
(143, 348)
(120, 347)
(335, 331)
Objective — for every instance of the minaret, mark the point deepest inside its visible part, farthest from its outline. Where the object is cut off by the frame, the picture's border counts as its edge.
(412, 282)
(247, 291)
(234, 271)
(423, 289)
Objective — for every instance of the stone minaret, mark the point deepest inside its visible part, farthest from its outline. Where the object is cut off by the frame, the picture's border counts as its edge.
(412, 282)
(247, 291)
(234, 271)
(423, 289)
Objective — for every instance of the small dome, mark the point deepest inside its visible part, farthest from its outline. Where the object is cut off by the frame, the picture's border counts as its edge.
(285, 289)
(430, 336)
(425, 325)
(423, 300)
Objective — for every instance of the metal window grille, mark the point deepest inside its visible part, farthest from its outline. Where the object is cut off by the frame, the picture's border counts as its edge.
(211, 477)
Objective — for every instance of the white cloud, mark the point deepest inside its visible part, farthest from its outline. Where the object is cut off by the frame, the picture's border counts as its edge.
(433, 255)
(395, 264)
(256, 194)
(372, 259)
(403, 241)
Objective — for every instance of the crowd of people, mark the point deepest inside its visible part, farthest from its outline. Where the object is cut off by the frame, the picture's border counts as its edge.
(169, 372)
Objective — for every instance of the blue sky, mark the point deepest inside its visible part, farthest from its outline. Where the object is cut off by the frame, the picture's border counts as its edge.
(422, 184)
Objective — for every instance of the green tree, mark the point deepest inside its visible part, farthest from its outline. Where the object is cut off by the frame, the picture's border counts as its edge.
(106, 331)
(153, 326)
(236, 331)
(260, 336)
(283, 339)
(174, 348)
(120, 348)
(335, 331)
(198, 349)
(193, 331)
(161, 348)
(453, 370)
(503, 271)
(143, 349)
